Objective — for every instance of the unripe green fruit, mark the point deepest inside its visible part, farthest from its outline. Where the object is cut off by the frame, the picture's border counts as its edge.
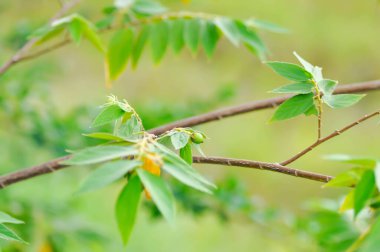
(197, 138)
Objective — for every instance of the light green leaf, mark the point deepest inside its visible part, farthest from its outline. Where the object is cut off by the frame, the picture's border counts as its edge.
(346, 179)
(131, 128)
(75, 29)
(186, 153)
(138, 47)
(100, 154)
(364, 191)
(348, 202)
(209, 37)
(119, 50)
(107, 174)
(365, 162)
(251, 40)
(126, 208)
(159, 40)
(106, 136)
(377, 175)
(179, 139)
(290, 71)
(192, 34)
(160, 193)
(327, 86)
(107, 115)
(229, 29)
(199, 149)
(9, 235)
(296, 88)
(342, 100)
(312, 111)
(177, 35)
(371, 241)
(265, 25)
(123, 4)
(296, 105)
(148, 7)
(45, 34)
(308, 67)
(6, 218)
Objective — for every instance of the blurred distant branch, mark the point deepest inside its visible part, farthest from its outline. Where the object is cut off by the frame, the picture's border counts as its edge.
(21, 53)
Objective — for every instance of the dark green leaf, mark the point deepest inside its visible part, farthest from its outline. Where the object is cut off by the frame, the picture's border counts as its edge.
(290, 71)
(312, 111)
(139, 45)
(342, 100)
(127, 207)
(297, 105)
(9, 235)
(364, 190)
(192, 34)
(210, 37)
(107, 115)
(186, 153)
(177, 35)
(296, 88)
(159, 40)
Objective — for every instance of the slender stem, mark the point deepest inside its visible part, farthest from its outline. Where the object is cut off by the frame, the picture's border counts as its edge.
(332, 135)
(318, 97)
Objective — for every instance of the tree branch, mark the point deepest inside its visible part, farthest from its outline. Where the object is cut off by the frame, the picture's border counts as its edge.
(20, 54)
(332, 135)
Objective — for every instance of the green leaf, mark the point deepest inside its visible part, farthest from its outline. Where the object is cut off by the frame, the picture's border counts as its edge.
(209, 37)
(342, 100)
(75, 29)
(107, 174)
(290, 71)
(251, 40)
(179, 139)
(308, 67)
(89, 31)
(106, 136)
(296, 88)
(296, 105)
(327, 86)
(107, 115)
(364, 191)
(9, 235)
(148, 7)
(130, 129)
(160, 193)
(346, 179)
(159, 40)
(312, 111)
(186, 153)
(365, 162)
(192, 34)
(118, 53)
(229, 29)
(377, 175)
(348, 202)
(177, 35)
(371, 242)
(126, 208)
(138, 47)
(123, 4)
(265, 25)
(45, 34)
(100, 154)
(6, 218)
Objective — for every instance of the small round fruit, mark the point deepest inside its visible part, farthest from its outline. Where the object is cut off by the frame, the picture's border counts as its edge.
(197, 138)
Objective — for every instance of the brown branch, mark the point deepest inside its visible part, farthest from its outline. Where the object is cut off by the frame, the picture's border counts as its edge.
(56, 165)
(332, 135)
(20, 54)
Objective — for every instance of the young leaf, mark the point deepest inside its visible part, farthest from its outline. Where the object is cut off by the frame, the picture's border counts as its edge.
(9, 235)
(342, 100)
(107, 174)
(192, 33)
(290, 71)
(295, 88)
(179, 139)
(229, 29)
(119, 50)
(186, 153)
(327, 86)
(297, 105)
(5, 218)
(364, 191)
(209, 37)
(107, 115)
(177, 35)
(100, 154)
(160, 193)
(90, 33)
(126, 208)
(138, 47)
(308, 67)
(159, 40)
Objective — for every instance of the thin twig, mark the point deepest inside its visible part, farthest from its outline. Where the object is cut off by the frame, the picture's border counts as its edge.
(332, 135)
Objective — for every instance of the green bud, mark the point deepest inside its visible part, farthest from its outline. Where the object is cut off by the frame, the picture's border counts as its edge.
(197, 138)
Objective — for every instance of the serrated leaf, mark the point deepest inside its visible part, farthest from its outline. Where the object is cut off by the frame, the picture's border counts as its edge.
(296, 88)
(100, 154)
(160, 193)
(177, 35)
(296, 105)
(186, 153)
(290, 71)
(138, 46)
(229, 29)
(118, 52)
(327, 86)
(342, 100)
(179, 139)
(209, 37)
(6, 218)
(364, 191)
(251, 40)
(107, 174)
(107, 115)
(159, 40)
(192, 34)
(126, 208)
(9, 235)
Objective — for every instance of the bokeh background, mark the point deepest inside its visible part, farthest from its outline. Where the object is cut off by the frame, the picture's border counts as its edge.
(47, 103)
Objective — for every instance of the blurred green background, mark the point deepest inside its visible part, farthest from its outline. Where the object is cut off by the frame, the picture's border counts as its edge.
(47, 103)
